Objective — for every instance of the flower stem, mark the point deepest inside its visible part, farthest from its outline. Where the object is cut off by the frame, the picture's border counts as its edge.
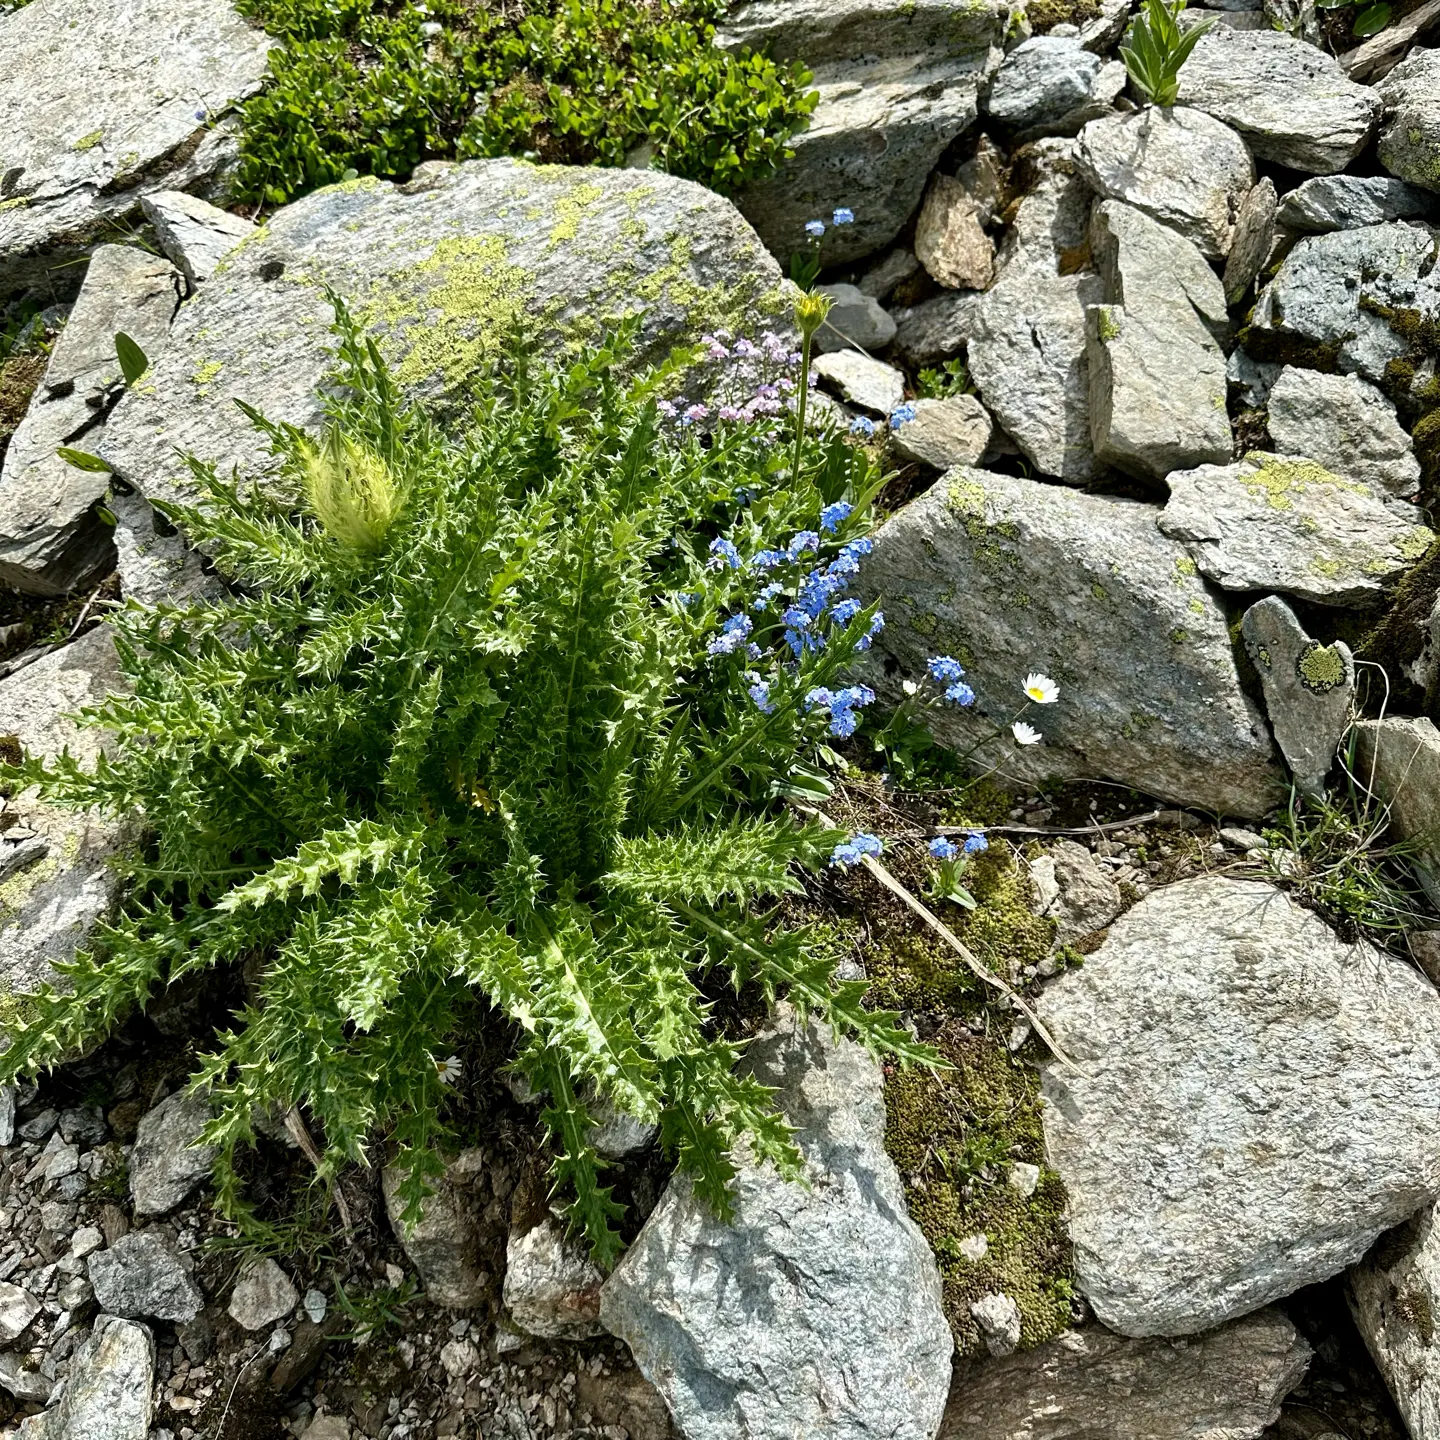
(806, 340)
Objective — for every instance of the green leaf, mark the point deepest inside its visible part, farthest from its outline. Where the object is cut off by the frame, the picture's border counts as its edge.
(133, 361)
(83, 460)
(1372, 19)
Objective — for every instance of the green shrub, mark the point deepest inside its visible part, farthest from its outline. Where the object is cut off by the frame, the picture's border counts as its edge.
(356, 87)
(485, 728)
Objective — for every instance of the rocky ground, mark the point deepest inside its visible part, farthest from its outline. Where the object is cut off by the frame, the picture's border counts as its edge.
(1159, 390)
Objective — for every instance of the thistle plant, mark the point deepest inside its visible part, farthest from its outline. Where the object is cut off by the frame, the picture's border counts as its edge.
(495, 720)
(1158, 49)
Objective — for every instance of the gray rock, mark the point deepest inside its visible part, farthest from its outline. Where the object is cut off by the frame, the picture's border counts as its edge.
(1225, 1385)
(1288, 524)
(439, 269)
(84, 1125)
(897, 83)
(984, 176)
(552, 1287)
(458, 1246)
(1345, 424)
(140, 1275)
(1253, 241)
(1394, 1296)
(1074, 891)
(943, 433)
(21, 1376)
(1252, 378)
(998, 1317)
(936, 329)
(1310, 313)
(1410, 129)
(195, 235)
(107, 1395)
(894, 268)
(817, 1311)
(1050, 229)
(262, 1295)
(166, 1164)
(155, 565)
(1045, 85)
(48, 907)
(1180, 166)
(855, 319)
(1012, 575)
(1308, 689)
(1348, 202)
(51, 538)
(1258, 1102)
(1103, 32)
(7, 1114)
(1290, 100)
(17, 1309)
(871, 384)
(949, 240)
(1399, 758)
(1027, 358)
(101, 102)
(616, 1135)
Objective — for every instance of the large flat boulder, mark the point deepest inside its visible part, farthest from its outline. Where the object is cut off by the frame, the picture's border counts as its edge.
(816, 1311)
(441, 269)
(1011, 575)
(1226, 1385)
(1255, 1102)
(897, 80)
(103, 101)
(1291, 101)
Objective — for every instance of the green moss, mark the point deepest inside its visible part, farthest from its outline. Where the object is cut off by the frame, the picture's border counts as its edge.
(1320, 667)
(18, 203)
(1107, 326)
(1397, 637)
(1179, 635)
(90, 141)
(1046, 14)
(1185, 569)
(1278, 347)
(926, 624)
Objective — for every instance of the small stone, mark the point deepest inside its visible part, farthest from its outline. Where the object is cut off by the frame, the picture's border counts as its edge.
(38, 1127)
(141, 1275)
(166, 1164)
(1345, 424)
(1308, 690)
(84, 1127)
(1023, 1178)
(944, 433)
(552, 1287)
(998, 1317)
(1346, 202)
(1253, 240)
(949, 240)
(974, 1248)
(1045, 84)
(315, 1305)
(894, 268)
(328, 1427)
(108, 1391)
(1253, 379)
(194, 235)
(21, 1376)
(85, 1241)
(871, 384)
(75, 1292)
(855, 321)
(1243, 840)
(458, 1358)
(7, 1115)
(262, 1295)
(17, 1309)
(1049, 229)
(936, 329)
(1074, 891)
(1410, 130)
(983, 175)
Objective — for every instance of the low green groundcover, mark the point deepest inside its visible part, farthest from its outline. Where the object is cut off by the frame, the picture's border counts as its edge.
(375, 89)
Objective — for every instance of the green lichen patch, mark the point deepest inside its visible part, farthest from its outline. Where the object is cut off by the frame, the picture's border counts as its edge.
(1320, 667)
(1279, 479)
(90, 141)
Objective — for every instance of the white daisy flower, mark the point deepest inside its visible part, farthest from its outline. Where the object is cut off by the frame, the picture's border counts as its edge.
(1041, 688)
(909, 687)
(1025, 734)
(449, 1069)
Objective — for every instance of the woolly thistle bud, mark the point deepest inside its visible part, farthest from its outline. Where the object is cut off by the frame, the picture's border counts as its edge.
(351, 490)
(811, 308)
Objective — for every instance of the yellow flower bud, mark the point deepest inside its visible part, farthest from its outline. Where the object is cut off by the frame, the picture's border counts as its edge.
(351, 490)
(811, 308)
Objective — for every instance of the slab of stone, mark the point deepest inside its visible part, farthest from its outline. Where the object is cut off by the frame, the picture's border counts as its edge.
(955, 431)
(18, 1307)
(871, 384)
(1348, 202)
(855, 320)
(440, 269)
(552, 1287)
(1410, 128)
(107, 1393)
(50, 898)
(166, 1164)
(1308, 689)
(1345, 424)
(1399, 758)
(1049, 231)
(1253, 241)
(1395, 1296)
(817, 1311)
(1226, 1385)
(51, 538)
(936, 329)
(1291, 101)
(263, 1295)
(949, 240)
(194, 234)
(1180, 166)
(1269, 522)
(141, 1275)
(1311, 313)
(103, 101)
(897, 83)
(1046, 85)
(1012, 575)
(1027, 357)
(1258, 1103)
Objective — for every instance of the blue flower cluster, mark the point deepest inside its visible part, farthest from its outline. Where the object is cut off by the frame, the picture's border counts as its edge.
(734, 635)
(950, 673)
(901, 415)
(945, 849)
(843, 215)
(842, 705)
(852, 851)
